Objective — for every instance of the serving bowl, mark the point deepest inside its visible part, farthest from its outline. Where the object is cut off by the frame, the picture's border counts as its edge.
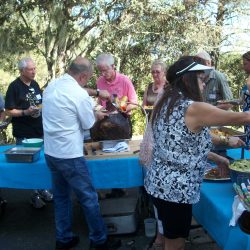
(32, 142)
(22, 154)
(240, 171)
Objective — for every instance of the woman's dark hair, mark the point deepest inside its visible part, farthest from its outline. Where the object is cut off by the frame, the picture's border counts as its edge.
(199, 60)
(246, 56)
(180, 86)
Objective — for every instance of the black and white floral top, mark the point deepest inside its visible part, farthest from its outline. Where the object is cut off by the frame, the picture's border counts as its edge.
(179, 158)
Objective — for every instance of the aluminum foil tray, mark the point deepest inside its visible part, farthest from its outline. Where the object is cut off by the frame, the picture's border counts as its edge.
(22, 154)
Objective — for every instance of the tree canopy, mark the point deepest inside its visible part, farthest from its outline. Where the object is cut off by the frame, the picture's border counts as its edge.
(134, 31)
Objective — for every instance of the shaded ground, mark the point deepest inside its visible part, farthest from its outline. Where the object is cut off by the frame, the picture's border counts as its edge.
(25, 228)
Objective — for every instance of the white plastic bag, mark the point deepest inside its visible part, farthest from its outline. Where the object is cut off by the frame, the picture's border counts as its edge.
(238, 209)
(146, 146)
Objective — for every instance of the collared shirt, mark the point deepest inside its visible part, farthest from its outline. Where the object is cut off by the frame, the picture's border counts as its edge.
(120, 86)
(67, 111)
(217, 88)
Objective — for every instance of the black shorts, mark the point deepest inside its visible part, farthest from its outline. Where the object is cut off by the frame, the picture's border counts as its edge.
(176, 218)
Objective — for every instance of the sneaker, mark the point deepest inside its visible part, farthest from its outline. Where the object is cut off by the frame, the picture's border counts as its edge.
(107, 245)
(68, 245)
(45, 195)
(36, 201)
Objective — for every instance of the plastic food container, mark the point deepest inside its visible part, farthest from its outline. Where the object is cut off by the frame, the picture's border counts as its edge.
(22, 154)
(33, 142)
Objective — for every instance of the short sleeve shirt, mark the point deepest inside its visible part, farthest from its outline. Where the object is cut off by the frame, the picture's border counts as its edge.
(120, 86)
(217, 88)
(21, 96)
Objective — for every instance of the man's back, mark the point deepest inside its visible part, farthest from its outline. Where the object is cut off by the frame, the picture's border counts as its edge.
(67, 111)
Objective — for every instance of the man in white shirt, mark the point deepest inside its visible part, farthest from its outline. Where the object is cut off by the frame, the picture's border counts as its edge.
(67, 112)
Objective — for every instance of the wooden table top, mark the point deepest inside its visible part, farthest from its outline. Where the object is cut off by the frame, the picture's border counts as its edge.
(94, 151)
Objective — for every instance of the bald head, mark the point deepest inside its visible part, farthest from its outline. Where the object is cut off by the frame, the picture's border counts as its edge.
(81, 69)
(80, 65)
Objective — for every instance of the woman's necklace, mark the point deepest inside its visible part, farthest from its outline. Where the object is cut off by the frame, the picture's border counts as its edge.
(154, 89)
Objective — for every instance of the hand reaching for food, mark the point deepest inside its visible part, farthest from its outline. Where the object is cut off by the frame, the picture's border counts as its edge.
(221, 162)
(235, 142)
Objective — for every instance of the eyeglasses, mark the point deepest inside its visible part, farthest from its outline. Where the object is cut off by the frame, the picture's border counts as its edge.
(155, 72)
(202, 79)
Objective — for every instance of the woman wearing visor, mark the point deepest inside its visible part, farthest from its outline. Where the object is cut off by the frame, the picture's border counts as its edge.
(182, 142)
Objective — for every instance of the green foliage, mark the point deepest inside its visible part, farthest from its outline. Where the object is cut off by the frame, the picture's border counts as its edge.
(138, 121)
(53, 32)
(6, 136)
(231, 65)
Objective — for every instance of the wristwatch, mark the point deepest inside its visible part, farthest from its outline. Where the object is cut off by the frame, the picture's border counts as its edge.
(97, 92)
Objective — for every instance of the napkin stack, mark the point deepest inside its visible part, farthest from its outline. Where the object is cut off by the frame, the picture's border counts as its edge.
(118, 147)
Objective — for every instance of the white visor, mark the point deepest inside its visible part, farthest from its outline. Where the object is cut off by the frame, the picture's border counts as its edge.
(194, 67)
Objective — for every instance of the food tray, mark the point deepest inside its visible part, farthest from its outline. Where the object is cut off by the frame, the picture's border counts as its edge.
(232, 101)
(214, 176)
(22, 154)
(224, 131)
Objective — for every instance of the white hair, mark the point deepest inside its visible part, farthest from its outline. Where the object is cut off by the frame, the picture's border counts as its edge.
(204, 55)
(161, 63)
(107, 59)
(23, 63)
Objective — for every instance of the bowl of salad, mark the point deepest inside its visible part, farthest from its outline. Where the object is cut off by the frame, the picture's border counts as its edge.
(240, 170)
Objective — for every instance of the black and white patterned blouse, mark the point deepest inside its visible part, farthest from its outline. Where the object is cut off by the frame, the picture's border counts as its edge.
(179, 158)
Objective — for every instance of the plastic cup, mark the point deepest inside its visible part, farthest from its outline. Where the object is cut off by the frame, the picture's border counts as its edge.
(150, 227)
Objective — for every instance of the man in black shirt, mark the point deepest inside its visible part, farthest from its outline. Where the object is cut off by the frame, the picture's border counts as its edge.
(23, 103)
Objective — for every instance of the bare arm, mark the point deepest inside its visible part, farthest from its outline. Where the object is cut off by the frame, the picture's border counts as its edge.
(221, 162)
(104, 94)
(224, 106)
(22, 112)
(200, 114)
(231, 141)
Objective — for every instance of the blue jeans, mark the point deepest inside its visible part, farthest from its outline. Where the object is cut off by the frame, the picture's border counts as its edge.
(68, 175)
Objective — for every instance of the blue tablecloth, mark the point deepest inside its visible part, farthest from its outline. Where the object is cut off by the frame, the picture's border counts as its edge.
(214, 212)
(105, 173)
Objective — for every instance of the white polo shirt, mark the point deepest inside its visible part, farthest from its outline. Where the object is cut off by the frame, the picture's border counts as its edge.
(67, 111)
